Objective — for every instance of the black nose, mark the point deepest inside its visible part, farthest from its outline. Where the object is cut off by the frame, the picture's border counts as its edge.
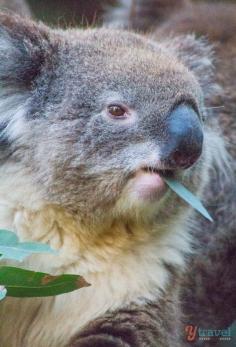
(183, 145)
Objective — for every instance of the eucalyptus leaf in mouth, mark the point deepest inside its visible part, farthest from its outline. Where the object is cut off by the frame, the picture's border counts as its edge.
(162, 173)
(187, 196)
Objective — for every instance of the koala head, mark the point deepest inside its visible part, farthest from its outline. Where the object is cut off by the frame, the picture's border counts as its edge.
(96, 117)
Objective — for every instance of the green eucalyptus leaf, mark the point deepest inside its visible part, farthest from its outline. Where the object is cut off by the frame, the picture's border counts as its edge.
(25, 283)
(3, 292)
(11, 248)
(186, 195)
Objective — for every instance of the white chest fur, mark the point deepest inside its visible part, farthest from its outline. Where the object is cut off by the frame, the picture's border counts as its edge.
(121, 269)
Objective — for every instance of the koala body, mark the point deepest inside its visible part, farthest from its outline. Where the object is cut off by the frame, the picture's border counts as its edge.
(89, 183)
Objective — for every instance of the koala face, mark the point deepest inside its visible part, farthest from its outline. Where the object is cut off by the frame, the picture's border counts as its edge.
(104, 115)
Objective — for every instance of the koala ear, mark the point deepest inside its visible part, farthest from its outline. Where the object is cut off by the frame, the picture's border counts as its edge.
(25, 52)
(197, 55)
(24, 48)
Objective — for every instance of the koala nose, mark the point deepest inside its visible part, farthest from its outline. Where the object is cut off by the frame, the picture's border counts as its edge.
(184, 138)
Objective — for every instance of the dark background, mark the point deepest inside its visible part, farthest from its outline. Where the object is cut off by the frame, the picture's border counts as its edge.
(70, 12)
(73, 12)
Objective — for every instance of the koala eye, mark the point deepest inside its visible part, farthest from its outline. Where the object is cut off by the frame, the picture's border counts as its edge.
(117, 111)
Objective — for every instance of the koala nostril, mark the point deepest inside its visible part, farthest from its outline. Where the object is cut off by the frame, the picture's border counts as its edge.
(184, 160)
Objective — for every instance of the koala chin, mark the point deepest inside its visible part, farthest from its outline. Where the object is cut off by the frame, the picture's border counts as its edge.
(91, 121)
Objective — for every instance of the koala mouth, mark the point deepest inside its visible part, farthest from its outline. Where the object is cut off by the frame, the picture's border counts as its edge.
(162, 173)
(148, 183)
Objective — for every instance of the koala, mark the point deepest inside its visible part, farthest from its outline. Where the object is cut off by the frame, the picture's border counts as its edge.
(91, 122)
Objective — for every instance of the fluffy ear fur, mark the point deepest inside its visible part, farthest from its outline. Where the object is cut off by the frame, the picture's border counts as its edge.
(24, 49)
(197, 55)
